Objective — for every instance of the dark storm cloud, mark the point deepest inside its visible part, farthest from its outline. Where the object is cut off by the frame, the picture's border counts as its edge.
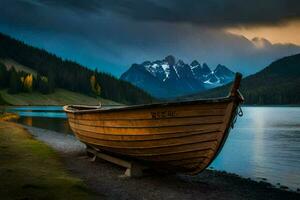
(206, 13)
(113, 34)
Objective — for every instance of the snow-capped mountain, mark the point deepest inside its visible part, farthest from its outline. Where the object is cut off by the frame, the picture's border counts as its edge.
(170, 77)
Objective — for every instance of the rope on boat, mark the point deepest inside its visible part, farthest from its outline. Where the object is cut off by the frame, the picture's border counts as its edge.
(238, 112)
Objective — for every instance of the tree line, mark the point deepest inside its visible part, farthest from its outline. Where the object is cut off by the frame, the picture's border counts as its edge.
(20, 81)
(55, 72)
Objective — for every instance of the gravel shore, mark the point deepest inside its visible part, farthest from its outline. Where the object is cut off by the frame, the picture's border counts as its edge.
(106, 179)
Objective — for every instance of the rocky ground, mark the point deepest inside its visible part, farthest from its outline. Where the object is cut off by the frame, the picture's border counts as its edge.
(106, 179)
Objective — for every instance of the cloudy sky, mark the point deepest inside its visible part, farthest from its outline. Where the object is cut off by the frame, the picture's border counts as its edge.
(113, 34)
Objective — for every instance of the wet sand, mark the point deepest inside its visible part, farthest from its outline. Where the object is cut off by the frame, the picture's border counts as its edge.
(106, 179)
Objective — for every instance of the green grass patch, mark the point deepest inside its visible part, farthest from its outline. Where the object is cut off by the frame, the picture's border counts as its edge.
(4, 116)
(29, 169)
(59, 97)
(2, 101)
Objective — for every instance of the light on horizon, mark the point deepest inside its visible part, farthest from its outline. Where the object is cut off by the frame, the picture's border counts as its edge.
(284, 33)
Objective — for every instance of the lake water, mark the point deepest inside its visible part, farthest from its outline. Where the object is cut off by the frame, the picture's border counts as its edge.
(265, 143)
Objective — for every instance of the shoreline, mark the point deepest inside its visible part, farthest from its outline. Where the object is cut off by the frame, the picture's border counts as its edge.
(105, 178)
(31, 169)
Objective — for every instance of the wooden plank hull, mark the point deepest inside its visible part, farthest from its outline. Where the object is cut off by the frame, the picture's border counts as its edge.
(181, 136)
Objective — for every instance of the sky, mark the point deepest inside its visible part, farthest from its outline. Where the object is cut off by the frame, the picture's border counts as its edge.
(111, 35)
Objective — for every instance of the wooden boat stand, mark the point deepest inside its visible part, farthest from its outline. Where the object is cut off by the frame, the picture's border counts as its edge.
(133, 169)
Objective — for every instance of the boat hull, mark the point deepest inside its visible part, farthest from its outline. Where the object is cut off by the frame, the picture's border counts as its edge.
(184, 137)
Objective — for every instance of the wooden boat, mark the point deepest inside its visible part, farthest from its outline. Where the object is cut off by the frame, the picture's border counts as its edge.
(182, 136)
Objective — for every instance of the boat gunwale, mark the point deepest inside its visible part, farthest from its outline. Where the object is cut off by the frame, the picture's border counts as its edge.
(99, 109)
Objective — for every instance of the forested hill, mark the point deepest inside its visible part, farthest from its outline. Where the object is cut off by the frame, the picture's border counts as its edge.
(278, 83)
(59, 73)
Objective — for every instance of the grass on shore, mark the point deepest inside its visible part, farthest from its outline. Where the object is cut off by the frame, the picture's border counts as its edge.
(29, 169)
(8, 116)
(59, 97)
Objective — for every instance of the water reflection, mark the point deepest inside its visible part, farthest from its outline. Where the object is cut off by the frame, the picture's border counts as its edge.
(42, 114)
(56, 124)
(47, 117)
(27, 121)
(265, 144)
(39, 111)
(37, 108)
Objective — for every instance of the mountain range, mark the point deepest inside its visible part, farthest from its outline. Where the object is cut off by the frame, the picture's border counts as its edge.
(169, 77)
(277, 84)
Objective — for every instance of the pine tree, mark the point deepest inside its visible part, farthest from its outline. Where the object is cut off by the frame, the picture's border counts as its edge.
(51, 82)
(15, 84)
(42, 84)
(3, 76)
